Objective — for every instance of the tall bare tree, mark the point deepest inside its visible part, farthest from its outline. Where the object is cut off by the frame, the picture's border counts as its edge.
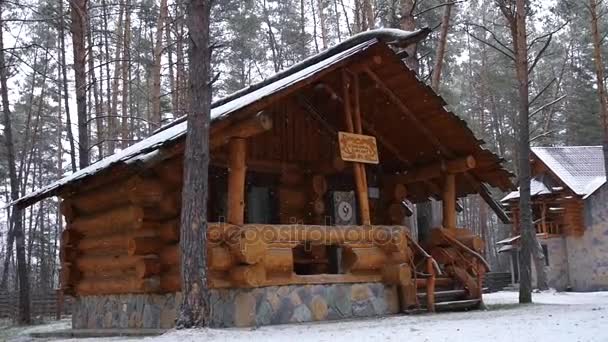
(599, 72)
(408, 23)
(158, 49)
(16, 218)
(194, 309)
(126, 66)
(515, 14)
(441, 45)
(78, 13)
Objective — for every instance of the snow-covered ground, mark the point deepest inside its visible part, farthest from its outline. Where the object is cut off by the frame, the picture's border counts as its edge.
(554, 317)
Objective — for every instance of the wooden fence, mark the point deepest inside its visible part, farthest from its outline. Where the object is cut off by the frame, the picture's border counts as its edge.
(42, 304)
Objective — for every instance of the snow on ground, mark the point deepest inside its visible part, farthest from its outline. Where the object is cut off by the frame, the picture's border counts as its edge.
(555, 317)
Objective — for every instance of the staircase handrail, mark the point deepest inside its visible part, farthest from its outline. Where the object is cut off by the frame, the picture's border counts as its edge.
(424, 254)
(467, 250)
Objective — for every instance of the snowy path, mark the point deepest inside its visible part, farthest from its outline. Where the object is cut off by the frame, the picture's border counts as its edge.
(555, 317)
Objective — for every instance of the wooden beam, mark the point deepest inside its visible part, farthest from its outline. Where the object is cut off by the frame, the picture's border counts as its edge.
(449, 201)
(406, 111)
(445, 151)
(436, 170)
(236, 180)
(259, 123)
(359, 170)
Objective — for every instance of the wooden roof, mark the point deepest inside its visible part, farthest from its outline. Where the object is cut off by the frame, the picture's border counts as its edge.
(410, 121)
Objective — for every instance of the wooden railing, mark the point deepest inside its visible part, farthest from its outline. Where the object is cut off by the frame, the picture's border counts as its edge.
(551, 228)
(432, 269)
(462, 261)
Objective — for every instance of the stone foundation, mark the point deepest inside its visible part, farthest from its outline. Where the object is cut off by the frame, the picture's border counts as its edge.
(241, 307)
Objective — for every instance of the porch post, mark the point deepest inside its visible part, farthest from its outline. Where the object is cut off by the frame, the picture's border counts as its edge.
(236, 180)
(449, 201)
(355, 127)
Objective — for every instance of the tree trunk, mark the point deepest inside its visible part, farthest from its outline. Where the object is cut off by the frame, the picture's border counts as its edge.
(528, 235)
(172, 80)
(368, 14)
(194, 310)
(78, 14)
(126, 66)
(599, 72)
(322, 24)
(441, 45)
(337, 20)
(408, 23)
(16, 217)
(113, 117)
(64, 72)
(158, 49)
(96, 96)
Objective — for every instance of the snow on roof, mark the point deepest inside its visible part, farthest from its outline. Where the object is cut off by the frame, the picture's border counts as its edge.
(537, 187)
(147, 147)
(581, 168)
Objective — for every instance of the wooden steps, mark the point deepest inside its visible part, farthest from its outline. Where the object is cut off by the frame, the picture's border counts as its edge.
(444, 296)
(458, 305)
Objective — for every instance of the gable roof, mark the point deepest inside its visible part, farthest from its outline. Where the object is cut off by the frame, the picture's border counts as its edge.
(427, 110)
(580, 168)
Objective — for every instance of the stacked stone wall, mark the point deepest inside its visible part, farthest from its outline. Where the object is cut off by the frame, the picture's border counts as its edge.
(241, 307)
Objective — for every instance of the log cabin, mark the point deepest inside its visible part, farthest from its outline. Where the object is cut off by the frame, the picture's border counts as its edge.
(310, 173)
(570, 217)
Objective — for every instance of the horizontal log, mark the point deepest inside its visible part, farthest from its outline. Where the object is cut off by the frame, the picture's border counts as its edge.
(139, 190)
(70, 237)
(397, 274)
(464, 236)
(170, 281)
(436, 170)
(248, 276)
(68, 254)
(260, 123)
(67, 210)
(169, 230)
(147, 267)
(121, 218)
(170, 256)
(248, 250)
(326, 235)
(92, 263)
(69, 275)
(115, 241)
(144, 245)
(169, 207)
(220, 258)
(359, 259)
(279, 260)
(171, 172)
(122, 285)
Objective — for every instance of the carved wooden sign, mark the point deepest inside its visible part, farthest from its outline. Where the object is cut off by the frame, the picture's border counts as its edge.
(358, 148)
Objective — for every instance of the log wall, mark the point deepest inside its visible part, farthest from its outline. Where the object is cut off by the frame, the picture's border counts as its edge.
(129, 243)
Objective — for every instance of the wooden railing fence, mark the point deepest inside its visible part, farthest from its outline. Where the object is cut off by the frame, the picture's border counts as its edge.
(42, 305)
